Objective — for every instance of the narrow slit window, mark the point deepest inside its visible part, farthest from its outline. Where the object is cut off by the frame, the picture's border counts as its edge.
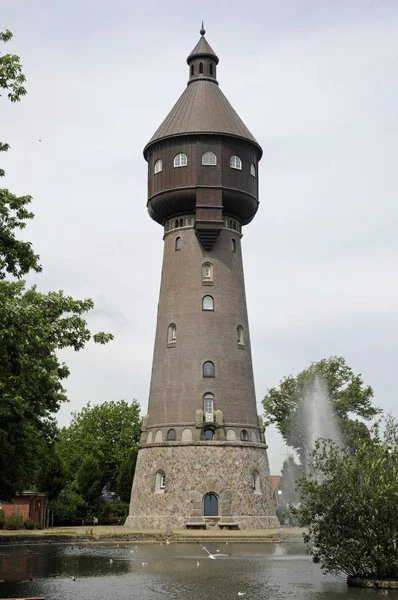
(241, 340)
(201, 67)
(233, 241)
(208, 369)
(211, 69)
(208, 403)
(178, 244)
(235, 163)
(158, 167)
(208, 303)
(207, 271)
(209, 159)
(172, 333)
(252, 170)
(160, 481)
(192, 70)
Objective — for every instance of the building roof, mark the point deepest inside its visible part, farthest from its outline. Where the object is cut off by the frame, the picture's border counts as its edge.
(275, 481)
(202, 109)
(202, 48)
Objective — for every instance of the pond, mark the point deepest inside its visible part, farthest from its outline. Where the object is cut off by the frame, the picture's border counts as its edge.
(174, 571)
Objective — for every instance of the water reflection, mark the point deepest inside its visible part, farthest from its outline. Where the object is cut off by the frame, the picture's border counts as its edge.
(180, 571)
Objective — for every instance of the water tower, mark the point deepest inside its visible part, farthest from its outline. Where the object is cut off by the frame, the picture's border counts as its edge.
(202, 458)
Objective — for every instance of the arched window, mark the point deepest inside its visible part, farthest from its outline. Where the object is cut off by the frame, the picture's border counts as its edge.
(180, 160)
(210, 505)
(207, 271)
(208, 303)
(208, 403)
(252, 170)
(211, 69)
(209, 159)
(172, 333)
(201, 67)
(181, 222)
(209, 434)
(160, 481)
(158, 166)
(178, 244)
(192, 69)
(208, 370)
(171, 435)
(233, 242)
(235, 163)
(239, 330)
(244, 435)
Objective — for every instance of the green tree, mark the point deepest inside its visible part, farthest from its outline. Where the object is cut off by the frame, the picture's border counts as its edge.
(89, 480)
(125, 476)
(349, 505)
(109, 432)
(51, 477)
(350, 398)
(68, 507)
(33, 326)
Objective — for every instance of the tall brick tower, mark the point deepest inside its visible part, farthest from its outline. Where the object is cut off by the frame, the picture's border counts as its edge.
(202, 458)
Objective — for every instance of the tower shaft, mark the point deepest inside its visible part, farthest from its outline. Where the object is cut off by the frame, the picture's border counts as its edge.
(202, 457)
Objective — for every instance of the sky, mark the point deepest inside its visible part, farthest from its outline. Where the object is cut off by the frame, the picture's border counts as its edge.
(315, 81)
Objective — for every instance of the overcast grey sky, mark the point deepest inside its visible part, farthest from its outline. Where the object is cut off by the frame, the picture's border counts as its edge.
(317, 84)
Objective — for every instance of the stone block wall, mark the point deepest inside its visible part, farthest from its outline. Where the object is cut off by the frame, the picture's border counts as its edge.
(191, 472)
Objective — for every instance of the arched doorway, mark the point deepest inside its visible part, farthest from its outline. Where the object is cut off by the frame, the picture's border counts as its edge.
(210, 505)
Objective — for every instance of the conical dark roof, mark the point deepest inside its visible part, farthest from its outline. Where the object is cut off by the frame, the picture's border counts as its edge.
(202, 48)
(202, 108)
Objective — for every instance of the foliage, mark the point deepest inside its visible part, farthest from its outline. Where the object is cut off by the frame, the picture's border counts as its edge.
(89, 480)
(29, 524)
(33, 326)
(281, 513)
(126, 475)
(11, 76)
(2, 518)
(67, 508)
(14, 521)
(51, 477)
(109, 432)
(113, 513)
(290, 476)
(349, 505)
(348, 394)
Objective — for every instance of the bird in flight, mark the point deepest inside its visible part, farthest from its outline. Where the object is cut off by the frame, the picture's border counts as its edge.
(212, 556)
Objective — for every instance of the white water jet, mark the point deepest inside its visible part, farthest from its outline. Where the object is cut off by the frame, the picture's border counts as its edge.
(316, 418)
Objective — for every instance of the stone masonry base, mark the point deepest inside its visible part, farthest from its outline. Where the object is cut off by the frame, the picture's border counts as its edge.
(191, 472)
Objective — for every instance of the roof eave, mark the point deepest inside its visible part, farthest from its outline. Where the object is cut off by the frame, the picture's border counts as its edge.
(213, 133)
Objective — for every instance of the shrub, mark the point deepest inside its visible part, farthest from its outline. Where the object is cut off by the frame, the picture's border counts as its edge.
(14, 521)
(29, 524)
(2, 519)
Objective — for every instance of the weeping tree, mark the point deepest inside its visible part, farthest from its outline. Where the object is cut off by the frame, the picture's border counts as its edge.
(349, 505)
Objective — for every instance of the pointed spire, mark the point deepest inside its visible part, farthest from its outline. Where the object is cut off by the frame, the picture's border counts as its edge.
(203, 48)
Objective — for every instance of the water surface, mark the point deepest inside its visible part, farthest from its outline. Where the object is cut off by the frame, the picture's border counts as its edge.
(116, 572)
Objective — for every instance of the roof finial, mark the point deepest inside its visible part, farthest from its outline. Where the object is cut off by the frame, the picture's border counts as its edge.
(203, 30)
